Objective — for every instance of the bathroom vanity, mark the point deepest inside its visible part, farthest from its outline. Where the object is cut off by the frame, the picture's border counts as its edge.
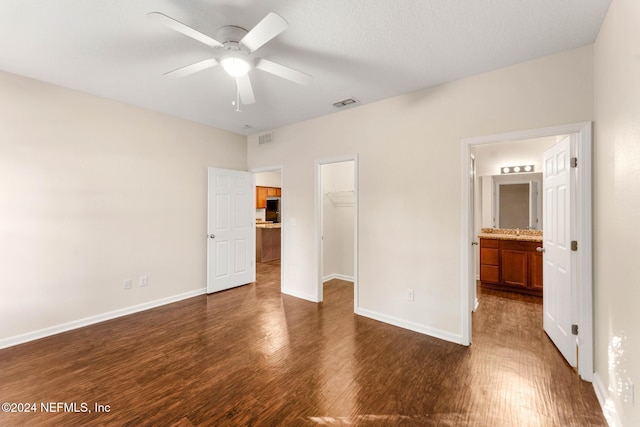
(511, 261)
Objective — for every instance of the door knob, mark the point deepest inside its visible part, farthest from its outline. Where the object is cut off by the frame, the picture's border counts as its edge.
(474, 243)
(212, 236)
(539, 249)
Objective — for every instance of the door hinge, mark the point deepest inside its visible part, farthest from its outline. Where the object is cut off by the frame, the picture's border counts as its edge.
(574, 162)
(574, 329)
(574, 245)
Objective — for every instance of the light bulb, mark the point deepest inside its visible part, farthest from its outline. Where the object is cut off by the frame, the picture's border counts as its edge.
(234, 66)
(505, 170)
(527, 168)
(516, 169)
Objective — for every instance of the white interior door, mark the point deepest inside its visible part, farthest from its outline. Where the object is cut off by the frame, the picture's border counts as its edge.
(557, 270)
(230, 229)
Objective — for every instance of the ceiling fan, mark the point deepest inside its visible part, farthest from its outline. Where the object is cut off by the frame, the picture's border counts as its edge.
(234, 48)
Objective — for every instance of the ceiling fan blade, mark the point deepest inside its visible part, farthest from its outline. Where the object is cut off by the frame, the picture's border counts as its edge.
(184, 29)
(284, 72)
(193, 68)
(245, 89)
(270, 26)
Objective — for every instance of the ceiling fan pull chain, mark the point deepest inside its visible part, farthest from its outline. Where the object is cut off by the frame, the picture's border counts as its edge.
(237, 95)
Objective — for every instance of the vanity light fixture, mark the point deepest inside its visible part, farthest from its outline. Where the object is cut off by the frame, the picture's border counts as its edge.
(516, 169)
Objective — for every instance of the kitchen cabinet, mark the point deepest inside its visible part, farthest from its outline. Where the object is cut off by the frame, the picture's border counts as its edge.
(273, 192)
(263, 192)
(261, 197)
(511, 265)
(267, 244)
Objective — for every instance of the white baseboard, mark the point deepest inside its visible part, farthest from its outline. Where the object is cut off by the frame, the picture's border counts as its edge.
(301, 295)
(606, 403)
(337, 276)
(416, 327)
(75, 324)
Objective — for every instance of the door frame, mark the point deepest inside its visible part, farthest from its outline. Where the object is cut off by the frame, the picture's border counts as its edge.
(318, 221)
(283, 215)
(584, 271)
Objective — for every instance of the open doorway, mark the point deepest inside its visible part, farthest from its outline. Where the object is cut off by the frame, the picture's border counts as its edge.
(581, 296)
(269, 219)
(337, 222)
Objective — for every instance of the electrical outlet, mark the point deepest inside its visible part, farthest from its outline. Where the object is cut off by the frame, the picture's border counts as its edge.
(127, 283)
(410, 294)
(143, 281)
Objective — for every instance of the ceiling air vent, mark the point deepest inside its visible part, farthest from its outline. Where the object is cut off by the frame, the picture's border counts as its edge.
(265, 138)
(345, 103)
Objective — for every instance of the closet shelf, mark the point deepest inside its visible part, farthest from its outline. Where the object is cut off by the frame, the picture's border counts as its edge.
(341, 198)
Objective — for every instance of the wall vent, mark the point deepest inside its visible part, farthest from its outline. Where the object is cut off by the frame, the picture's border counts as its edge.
(346, 102)
(265, 138)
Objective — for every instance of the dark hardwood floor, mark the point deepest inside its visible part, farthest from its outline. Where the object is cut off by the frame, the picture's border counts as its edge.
(251, 356)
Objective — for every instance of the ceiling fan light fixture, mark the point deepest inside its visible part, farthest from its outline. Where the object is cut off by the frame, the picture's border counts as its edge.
(234, 66)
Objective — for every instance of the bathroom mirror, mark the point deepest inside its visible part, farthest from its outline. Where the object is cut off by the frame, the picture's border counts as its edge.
(517, 201)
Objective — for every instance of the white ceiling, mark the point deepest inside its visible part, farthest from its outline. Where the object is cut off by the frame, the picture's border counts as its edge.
(367, 49)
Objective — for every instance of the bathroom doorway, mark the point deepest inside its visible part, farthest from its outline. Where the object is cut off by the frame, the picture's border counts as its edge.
(581, 224)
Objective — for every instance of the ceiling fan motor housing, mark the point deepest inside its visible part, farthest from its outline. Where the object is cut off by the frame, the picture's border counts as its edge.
(230, 36)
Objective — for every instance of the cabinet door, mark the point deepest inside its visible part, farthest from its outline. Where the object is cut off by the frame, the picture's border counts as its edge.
(535, 270)
(514, 268)
(261, 197)
(272, 191)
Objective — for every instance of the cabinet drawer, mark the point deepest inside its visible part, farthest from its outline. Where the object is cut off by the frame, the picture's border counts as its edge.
(489, 256)
(489, 243)
(519, 245)
(490, 273)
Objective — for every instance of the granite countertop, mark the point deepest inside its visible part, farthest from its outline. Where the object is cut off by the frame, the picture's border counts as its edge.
(268, 225)
(511, 234)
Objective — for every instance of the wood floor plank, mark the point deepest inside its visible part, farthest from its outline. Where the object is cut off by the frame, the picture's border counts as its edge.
(253, 356)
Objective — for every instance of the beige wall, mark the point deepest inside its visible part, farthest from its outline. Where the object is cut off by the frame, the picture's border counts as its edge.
(491, 157)
(617, 206)
(93, 192)
(269, 179)
(409, 150)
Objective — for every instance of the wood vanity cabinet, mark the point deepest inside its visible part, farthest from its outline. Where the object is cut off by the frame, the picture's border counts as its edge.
(511, 265)
(490, 261)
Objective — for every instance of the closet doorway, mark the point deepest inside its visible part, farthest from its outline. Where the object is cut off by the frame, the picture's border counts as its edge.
(337, 222)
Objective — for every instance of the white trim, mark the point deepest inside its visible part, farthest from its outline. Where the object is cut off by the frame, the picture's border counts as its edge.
(301, 295)
(606, 403)
(584, 219)
(585, 252)
(76, 324)
(337, 276)
(412, 326)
